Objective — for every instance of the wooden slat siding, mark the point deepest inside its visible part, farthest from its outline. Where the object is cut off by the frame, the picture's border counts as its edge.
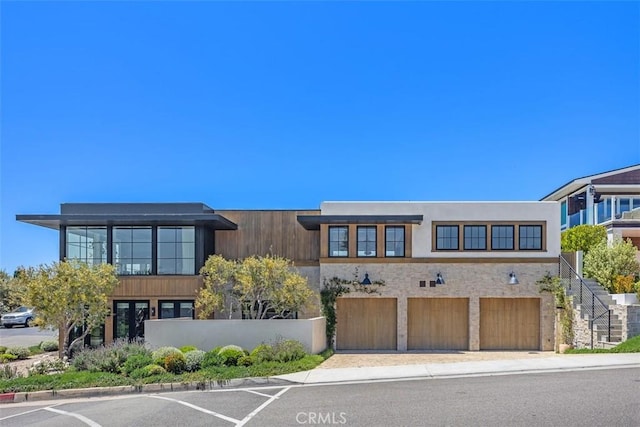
(366, 324)
(570, 257)
(408, 236)
(265, 232)
(131, 287)
(509, 323)
(324, 241)
(441, 260)
(437, 324)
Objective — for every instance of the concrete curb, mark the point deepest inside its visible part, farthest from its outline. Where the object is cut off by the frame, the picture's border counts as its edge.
(75, 393)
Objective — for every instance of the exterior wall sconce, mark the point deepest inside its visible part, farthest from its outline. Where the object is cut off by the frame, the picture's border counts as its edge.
(366, 280)
(153, 311)
(439, 279)
(513, 280)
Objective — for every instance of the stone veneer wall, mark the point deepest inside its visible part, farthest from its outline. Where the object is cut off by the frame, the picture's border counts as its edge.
(464, 279)
(629, 315)
(581, 331)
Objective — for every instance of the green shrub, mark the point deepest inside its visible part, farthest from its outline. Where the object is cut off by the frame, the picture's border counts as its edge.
(193, 359)
(175, 363)
(50, 345)
(187, 348)
(3, 349)
(6, 357)
(212, 358)
(148, 371)
(245, 361)
(8, 372)
(20, 352)
(46, 366)
(230, 355)
(109, 358)
(263, 353)
(289, 350)
(161, 353)
(134, 362)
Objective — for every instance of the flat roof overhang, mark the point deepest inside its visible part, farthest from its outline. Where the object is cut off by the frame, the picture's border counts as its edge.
(214, 221)
(312, 222)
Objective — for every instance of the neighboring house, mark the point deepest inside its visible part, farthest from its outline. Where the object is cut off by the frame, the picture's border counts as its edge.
(459, 275)
(611, 199)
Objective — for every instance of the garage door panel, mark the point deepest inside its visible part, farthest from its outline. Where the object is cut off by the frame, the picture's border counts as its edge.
(366, 324)
(437, 323)
(509, 323)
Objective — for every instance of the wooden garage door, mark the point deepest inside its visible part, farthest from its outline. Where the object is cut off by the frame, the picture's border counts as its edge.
(509, 323)
(366, 324)
(438, 324)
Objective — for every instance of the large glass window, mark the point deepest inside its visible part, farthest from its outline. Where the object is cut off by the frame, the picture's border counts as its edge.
(530, 237)
(604, 210)
(625, 205)
(446, 237)
(338, 241)
(176, 250)
(502, 237)
(475, 237)
(563, 214)
(87, 244)
(367, 241)
(132, 250)
(394, 241)
(175, 309)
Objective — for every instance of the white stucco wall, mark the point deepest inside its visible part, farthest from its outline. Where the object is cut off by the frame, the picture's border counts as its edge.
(548, 212)
(208, 334)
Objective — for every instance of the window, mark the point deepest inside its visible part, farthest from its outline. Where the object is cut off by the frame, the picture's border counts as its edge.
(502, 237)
(563, 213)
(87, 244)
(176, 250)
(132, 250)
(367, 241)
(394, 241)
(530, 237)
(175, 309)
(447, 237)
(475, 237)
(338, 241)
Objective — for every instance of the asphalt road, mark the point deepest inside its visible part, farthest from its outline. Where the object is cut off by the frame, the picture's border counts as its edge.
(21, 336)
(588, 397)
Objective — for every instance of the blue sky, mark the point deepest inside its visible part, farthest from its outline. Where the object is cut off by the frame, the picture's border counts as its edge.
(267, 105)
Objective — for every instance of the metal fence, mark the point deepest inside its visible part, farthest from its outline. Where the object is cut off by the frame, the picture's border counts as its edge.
(596, 311)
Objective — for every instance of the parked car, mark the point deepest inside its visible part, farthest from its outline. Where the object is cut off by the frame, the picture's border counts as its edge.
(20, 316)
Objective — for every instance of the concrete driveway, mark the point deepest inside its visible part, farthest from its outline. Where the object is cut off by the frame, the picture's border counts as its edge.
(358, 359)
(26, 337)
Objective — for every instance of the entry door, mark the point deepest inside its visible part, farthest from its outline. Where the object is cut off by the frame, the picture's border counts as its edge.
(129, 319)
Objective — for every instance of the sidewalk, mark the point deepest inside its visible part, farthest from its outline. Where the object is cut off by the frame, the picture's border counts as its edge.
(474, 368)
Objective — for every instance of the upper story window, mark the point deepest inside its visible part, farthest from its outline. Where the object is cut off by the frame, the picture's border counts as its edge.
(87, 244)
(176, 250)
(475, 237)
(530, 237)
(394, 241)
(367, 241)
(339, 241)
(563, 214)
(502, 237)
(132, 250)
(447, 237)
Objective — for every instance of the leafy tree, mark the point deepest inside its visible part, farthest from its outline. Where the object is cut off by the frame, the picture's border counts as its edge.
(582, 238)
(606, 262)
(256, 285)
(11, 292)
(69, 294)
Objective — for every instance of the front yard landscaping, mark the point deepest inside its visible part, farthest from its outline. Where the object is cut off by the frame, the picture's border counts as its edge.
(133, 364)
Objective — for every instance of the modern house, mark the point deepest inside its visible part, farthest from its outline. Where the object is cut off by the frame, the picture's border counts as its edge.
(458, 275)
(611, 199)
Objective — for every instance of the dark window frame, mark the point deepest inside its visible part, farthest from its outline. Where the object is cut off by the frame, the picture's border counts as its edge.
(521, 236)
(395, 241)
(474, 239)
(366, 242)
(158, 259)
(493, 236)
(450, 239)
(337, 242)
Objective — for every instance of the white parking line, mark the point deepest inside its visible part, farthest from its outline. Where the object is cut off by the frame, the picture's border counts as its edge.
(258, 393)
(21, 414)
(78, 416)
(261, 407)
(197, 408)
